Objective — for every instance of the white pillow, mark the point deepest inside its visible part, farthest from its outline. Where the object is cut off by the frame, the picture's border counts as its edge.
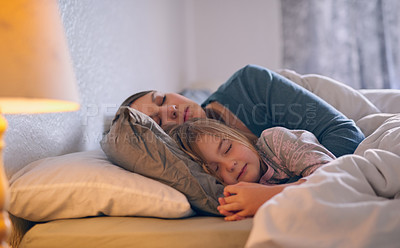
(87, 184)
(347, 100)
(387, 100)
(368, 124)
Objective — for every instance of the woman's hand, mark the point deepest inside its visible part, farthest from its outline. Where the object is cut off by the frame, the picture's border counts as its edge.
(243, 199)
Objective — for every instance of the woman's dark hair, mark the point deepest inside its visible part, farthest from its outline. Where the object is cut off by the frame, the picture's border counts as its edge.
(212, 114)
(128, 101)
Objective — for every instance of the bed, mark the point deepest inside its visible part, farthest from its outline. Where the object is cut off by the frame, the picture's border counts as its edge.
(85, 200)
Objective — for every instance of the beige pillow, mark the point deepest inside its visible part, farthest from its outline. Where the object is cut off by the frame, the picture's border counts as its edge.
(87, 184)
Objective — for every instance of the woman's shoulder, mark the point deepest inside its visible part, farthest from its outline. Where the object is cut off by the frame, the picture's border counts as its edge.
(243, 86)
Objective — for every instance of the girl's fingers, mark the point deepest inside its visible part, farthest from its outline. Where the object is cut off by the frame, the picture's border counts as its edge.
(221, 201)
(224, 212)
(221, 210)
(230, 189)
(234, 217)
(230, 199)
(233, 189)
(231, 207)
(226, 193)
(230, 218)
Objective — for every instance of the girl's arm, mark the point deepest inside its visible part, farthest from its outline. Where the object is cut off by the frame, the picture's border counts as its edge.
(243, 199)
(295, 152)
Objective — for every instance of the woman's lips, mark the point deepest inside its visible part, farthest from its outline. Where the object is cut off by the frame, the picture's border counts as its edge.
(186, 114)
(242, 172)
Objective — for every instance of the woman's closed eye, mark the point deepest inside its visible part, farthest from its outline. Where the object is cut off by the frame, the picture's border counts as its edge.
(163, 99)
(159, 99)
(158, 120)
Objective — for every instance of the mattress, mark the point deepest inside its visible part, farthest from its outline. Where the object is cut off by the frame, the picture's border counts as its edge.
(123, 232)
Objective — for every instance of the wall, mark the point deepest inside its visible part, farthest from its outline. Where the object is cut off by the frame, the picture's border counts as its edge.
(119, 47)
(225, 35)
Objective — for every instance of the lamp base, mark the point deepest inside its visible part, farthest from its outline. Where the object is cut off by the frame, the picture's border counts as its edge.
(4, 218)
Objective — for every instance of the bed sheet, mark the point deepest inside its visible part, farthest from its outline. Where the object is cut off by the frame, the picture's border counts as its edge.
(123, 232)
(353, 201)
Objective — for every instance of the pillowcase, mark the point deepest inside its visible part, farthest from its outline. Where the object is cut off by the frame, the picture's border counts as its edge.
(387, 100)
(347, 100)
(87, 184)
(136, 143)
(370, 123)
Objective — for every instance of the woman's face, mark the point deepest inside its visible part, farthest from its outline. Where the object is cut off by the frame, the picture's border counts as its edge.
(168, 108)
(232, 161)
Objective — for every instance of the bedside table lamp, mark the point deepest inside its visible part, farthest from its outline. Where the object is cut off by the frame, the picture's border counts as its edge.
(36, 74)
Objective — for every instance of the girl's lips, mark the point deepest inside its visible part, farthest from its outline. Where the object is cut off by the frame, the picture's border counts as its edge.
(242, 172)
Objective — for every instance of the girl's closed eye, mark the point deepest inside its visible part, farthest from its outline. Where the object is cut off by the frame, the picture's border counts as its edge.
(214, 167)
(229, 148)
(226, 145)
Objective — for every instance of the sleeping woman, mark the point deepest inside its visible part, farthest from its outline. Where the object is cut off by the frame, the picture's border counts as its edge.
(252, 100)
(279, 158)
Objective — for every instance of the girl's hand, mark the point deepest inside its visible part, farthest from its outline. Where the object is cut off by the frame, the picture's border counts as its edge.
(243, 199)
(230, 216)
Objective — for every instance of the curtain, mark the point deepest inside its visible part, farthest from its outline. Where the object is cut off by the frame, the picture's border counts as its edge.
(356, 42)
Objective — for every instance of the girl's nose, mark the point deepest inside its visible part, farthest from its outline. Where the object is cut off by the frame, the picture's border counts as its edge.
(230, 166)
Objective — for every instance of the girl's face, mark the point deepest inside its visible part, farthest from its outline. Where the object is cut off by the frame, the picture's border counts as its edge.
(168, 108)
(232, 161)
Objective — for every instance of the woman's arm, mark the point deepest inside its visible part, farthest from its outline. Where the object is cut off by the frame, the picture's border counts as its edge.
(243, 199)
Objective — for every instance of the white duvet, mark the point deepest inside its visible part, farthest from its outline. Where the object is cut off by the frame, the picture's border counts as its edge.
(354, 201)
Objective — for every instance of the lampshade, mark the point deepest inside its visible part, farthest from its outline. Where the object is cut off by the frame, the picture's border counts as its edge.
(36, 74)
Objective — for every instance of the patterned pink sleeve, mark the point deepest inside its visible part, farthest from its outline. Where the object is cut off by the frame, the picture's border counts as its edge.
(297, 151)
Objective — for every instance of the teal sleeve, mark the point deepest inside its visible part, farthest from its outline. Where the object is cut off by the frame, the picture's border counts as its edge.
(261, 99)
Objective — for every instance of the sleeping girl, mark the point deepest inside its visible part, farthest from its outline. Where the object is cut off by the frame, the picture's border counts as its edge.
(253, 170)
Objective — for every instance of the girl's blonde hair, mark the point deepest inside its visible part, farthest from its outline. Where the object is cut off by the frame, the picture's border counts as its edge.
(187, 134)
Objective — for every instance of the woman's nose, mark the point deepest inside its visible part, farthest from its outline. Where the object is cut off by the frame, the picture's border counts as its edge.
(170, 112)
